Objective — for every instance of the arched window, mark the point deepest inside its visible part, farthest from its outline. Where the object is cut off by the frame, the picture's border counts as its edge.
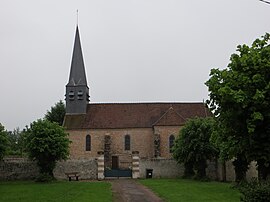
(127, 142)
(88, 143)
(171, 142)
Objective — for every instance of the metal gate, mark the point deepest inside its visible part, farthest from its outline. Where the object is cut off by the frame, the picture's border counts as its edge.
(115, 170)
(118, 173)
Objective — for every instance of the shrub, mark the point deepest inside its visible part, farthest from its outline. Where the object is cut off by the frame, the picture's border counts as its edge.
(255, 191)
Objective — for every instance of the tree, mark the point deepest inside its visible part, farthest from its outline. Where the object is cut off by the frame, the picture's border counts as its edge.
(57, 113)
(240, 99)
(3, 141)
(193, 147)
(228, 150)
(47, 143)
(16, 142)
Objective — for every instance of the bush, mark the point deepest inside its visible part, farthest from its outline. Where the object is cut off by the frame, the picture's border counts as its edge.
(255, 191)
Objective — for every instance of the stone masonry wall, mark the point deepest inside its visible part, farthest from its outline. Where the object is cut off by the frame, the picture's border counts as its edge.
(141, 139)
(87, 168)
(162, 168)
(18, 169)
(230, 174)
(164, 133)
(168, 168)
(23, 169)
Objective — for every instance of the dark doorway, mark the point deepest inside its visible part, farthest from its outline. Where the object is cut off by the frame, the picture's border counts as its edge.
(115, 164)
(115, 171)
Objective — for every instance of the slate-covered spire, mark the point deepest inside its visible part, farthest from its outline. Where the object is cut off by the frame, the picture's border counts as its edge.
(77, 74)
(77, 91)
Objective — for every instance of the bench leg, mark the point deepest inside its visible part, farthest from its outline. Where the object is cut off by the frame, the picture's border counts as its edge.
(69, 178)
(77, 178)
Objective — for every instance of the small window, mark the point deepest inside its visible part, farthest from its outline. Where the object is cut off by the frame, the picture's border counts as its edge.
(71, 95)
(88, 143)
(127, 142)
(80, 95)
(171, 142)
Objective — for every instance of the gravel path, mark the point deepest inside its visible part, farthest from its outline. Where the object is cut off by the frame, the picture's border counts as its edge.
(128, 190)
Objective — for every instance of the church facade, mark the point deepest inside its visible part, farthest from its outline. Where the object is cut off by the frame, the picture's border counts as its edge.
(119, 130)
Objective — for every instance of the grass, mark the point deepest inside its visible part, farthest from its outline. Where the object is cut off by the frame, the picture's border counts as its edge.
(181, 190)
(56, 191)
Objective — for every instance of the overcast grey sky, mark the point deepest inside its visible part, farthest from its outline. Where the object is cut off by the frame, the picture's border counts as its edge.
(134, 50)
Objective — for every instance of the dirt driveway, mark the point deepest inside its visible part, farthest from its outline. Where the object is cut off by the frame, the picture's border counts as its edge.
(128, 190)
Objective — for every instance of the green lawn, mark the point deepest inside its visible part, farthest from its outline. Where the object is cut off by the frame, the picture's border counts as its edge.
(188, 190)
(57, 191)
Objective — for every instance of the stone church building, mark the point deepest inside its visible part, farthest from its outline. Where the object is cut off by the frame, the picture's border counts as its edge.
(120, 131)
(118, 139)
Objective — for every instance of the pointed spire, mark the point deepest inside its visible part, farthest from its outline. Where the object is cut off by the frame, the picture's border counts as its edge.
(77, 74)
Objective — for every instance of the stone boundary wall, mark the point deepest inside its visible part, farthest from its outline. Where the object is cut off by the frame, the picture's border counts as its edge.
(24, 169)
(230, 174)
(162, 168)
(168, 168)
(18, 169)
(87, 169)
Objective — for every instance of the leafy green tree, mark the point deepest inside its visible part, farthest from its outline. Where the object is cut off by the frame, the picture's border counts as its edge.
(240, 99)
(16, 142)
(47, 143)
(57, 113)
(3, 141)
(228, 150)
(193, 147)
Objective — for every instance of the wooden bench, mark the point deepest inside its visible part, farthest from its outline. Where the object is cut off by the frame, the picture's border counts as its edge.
(74, 175)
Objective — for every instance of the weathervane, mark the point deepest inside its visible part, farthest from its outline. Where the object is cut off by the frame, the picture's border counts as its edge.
(268, 2)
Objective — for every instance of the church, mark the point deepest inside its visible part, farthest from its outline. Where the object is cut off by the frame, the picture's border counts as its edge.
(118, 131)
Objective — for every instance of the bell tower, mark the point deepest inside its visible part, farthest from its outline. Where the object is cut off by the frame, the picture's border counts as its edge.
(77, 91)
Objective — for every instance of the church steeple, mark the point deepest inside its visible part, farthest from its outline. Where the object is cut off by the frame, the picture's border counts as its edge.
(77, 91)
(77, 74)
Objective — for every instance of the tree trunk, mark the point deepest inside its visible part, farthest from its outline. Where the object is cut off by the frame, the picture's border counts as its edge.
(201, 169)
(263, 169)
(224, 172)
(240, 167)
(189, 171)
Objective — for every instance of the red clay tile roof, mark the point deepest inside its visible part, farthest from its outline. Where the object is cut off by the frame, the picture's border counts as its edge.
(135, 115)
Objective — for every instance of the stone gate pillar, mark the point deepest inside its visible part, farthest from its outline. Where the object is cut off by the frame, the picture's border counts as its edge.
(135, 165)
(100, 162)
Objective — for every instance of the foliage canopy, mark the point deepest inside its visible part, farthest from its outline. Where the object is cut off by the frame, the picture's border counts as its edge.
(3, 141)
(193, 147)
(47, 143)
(57, 113)
(240, 99)
(16, 142)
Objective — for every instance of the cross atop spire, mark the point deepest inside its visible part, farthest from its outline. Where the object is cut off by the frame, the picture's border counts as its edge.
(77, 74)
